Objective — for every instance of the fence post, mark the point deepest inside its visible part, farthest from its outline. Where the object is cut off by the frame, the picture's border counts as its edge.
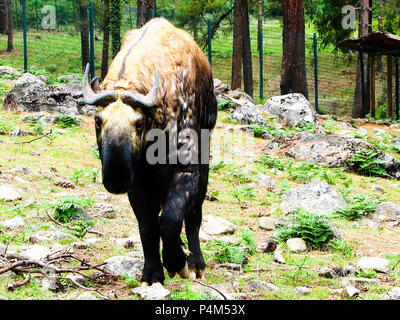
(209, 41)
(260, 47)
(37, 15)
(91, 33)
(316, 72)
(397, 89)
(362, 82)
(24, 35)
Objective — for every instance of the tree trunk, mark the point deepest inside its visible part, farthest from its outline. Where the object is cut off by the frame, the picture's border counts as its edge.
(84, 29)
(106, 39)
(146, 9)
(237, 56)
(260, 22)
(115, 26)
(379, 64)
(293, 73)
(247, 62)
(363, 30)
(3, 17)
(10, 45)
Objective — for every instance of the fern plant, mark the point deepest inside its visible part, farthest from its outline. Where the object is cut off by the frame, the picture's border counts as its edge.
(67, 121)
(312, 228)
(68, 207)
(366, 162)
(360, 206)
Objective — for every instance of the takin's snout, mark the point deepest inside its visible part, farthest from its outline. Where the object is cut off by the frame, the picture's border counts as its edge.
(117, 162)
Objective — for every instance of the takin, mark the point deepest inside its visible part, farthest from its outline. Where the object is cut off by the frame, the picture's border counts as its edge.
(159, 77)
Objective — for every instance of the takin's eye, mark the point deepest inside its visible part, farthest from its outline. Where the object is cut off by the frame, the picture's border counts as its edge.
(139, 125)
(98, 122)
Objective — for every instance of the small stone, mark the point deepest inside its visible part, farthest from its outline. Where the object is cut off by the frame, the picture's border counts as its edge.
(258, 284)
(356, 282)
(107, 210)
(296, 245)
(86, 296)
(394, 294)
(378, 188)
(35, 153)
(154, 292)
(376, 263)
(327, 273)
(23, 170)
(267, 246)
(8, 193)
(77, 278)
(229, 240)
(265, 181)
(230, 266)
(204, 237)
(82, 245)
(14, 223)
(36, 253)
(302, 290)
(214, 225)
(120, 265)
(266, 223)
(351, 291)
(277, 256)
(50, 283)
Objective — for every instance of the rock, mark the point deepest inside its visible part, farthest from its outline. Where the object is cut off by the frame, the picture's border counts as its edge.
(86, 296)
(357, 282)
(351, 291)
(23, 170)
(204, 237)
(230, 266)
(387, 211)
(9, 71)
(296, 245)
(80, 245)
(257, 284)
(317, 197)
(14, 223)
(265, 181)
(294, 108)
(376, 263)
(266, 223)
(248, 113)
(240, 97)
(213, 225)
(229, 240)
(36, 253)
(41, 118)
(120, 265)
(394, 294)
(32, 94)
(220, 87)
(226, 288)
(329, 151)
(379, 131)
(378, 189)
(50, 283)
(77, 278)
(302, 290)
(327, 272)
(106, 210)
(277, 256)
(153, 292)
(267, 246)
(19, 133)
(9, 193)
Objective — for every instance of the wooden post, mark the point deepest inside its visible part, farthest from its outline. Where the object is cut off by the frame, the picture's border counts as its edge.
(389, 86)
(372, 85)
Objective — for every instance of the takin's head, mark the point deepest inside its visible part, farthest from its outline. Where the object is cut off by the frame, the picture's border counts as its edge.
(120, 122)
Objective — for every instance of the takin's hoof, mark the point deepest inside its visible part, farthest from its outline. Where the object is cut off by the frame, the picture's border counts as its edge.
(171, 273)
(184, 273)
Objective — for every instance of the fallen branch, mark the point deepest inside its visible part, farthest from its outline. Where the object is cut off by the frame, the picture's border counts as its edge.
(37, 138)
(12, 286)
(211, 287)
(66, 227)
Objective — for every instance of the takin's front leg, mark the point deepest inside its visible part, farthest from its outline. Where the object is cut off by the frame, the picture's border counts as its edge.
(146, 210)
(181, 203)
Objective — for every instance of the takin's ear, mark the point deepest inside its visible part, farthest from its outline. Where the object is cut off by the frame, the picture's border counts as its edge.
(95, 84)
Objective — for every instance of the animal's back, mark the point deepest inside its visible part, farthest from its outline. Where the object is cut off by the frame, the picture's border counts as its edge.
(159, 45)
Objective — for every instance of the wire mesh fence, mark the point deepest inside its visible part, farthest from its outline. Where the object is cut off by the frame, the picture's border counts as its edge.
(56, 50)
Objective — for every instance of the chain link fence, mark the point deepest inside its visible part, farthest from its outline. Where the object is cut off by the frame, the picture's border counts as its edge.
(54, 48)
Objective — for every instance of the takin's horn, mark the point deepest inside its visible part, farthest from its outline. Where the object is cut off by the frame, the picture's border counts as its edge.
(149, 100)
(102, 99)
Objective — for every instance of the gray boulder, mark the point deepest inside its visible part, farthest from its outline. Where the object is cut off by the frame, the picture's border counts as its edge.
(318, 197)
(9, 71)
(248, 113)
(153, 292)
(32, 94)
(329, 151)
(121, 265)
(294, 108)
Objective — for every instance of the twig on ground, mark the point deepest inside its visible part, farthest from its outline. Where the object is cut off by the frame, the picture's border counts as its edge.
(211, 287)
(37, 138)
(12, 286)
